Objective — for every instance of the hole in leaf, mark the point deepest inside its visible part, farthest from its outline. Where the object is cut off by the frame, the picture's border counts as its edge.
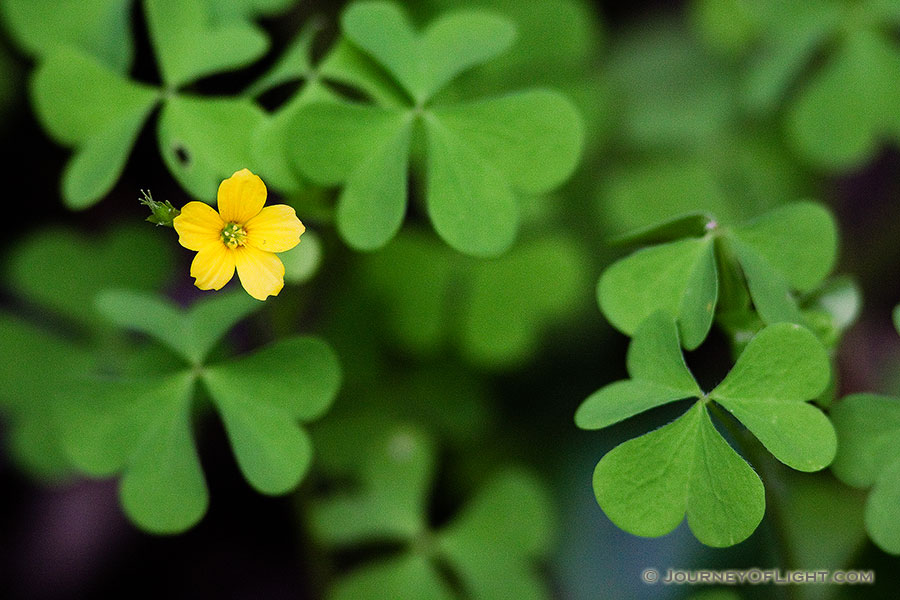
(182, 155)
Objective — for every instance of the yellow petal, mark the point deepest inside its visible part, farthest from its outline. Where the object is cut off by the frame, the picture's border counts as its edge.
(241, 197)
(261, 273)
(275, 229)
(213, 266)
(198, 225)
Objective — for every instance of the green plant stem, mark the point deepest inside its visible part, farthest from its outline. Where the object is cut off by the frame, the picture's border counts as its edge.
(762, 462)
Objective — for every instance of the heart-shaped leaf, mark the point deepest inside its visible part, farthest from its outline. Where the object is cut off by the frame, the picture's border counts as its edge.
(423, 64)
(190, 45)
(88, 106)
(190, 334)
(470, 203)
(261, 396)
(141, 428)
(534, 138)
(204, 140)
(163, 489)
(390, 505)
(810, 230)
(679, 277)
(648, 484)
(868, 429)
(504, 529)
(99, 28)
(838, 130)
(53, 259)
(781, 368)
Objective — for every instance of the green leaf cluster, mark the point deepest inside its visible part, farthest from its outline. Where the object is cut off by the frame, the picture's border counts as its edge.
(646, 485)
(87, 102)
(803, 57)
(479, 155)
(491, 546)
(53, 334)
(141, 426)
(681, 140)
(717, 268)
(868, 428)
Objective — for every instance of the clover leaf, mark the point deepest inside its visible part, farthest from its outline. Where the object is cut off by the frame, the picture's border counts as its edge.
(790, 248)
(868, 429)
(479, 154)
(94, 109)
(225, 10)
(646, 485)
(141, 427)
(490, 546)
(57, 337)
(687, 143)
(856, 49)
(492, 310)
(100, 28)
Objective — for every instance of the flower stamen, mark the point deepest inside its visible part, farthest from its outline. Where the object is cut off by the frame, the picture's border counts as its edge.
(234, 235)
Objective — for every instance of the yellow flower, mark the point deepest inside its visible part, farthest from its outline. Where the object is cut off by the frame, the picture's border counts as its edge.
(242, 235)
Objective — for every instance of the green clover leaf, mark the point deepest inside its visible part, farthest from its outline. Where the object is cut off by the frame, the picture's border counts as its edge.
(492, 310)
(141, 427)
(72, 340)
(868, 429)
(27, 401)
(648, 484)
(242, 10)
(189, 45)
(856, 45)
(491, 545)
(689, 145)
(96, 110)
(790, 248)
(100, 28)
(479, 154)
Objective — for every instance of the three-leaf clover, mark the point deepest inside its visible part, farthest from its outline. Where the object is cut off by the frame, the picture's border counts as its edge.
(491, 546)
(806, 56)
(141, 427)
(56, 337)
(790, 248)
(89, 106)
(479, 154)
(646, 485)
(868, 429)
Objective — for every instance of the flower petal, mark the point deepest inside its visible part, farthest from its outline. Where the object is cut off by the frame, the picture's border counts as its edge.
(241, 197)
(275, 229)
(261, 273)
(198, 225)
(213, 266)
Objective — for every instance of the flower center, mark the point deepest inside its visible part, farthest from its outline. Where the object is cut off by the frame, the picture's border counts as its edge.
(233, 235)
